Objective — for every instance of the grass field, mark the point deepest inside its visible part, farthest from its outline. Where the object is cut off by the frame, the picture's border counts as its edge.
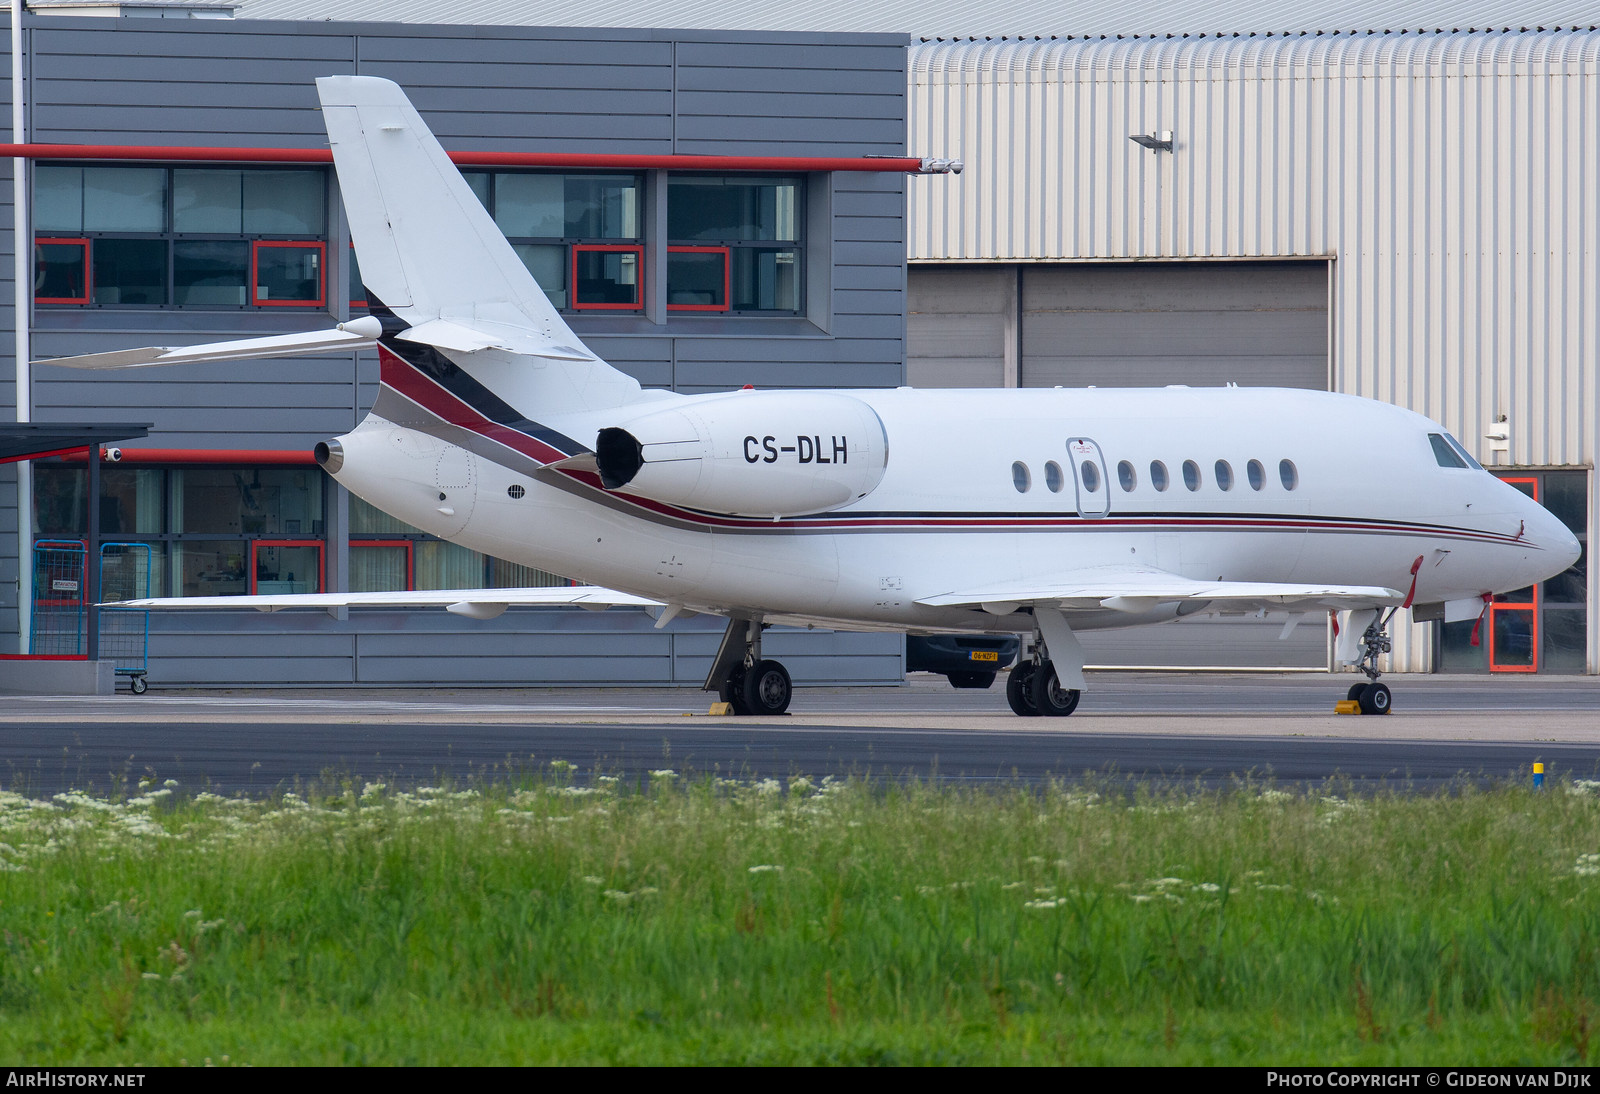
(700, 920)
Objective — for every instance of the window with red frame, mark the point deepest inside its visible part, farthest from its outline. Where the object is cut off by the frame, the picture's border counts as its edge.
(179, 237)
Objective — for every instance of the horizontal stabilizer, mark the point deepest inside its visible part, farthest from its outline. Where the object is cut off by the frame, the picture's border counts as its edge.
(356, 334)
(1136, 590)
(474, 603)
(472, 337)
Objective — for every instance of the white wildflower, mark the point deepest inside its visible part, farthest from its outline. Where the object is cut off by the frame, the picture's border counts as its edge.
(664, 773)
(766, 869)
(1041, 903)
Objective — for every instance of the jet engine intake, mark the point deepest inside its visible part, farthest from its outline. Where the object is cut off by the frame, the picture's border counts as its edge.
(749, 453)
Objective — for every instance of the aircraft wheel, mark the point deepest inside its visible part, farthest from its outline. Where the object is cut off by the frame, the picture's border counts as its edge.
(971, 679)
(1374, 699)
(732, 692)
(1049, 697)
(1356, 690)
(767, 689)
(1019, 693)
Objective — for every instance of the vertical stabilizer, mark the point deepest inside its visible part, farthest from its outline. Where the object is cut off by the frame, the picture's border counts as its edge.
(428, 248)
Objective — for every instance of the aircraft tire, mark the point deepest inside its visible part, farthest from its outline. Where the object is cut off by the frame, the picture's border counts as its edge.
(767, 688)
(1355, 691)
(971, 679)
(732, 692)
(1019, 693)
(1374, 699)
(1049, 697)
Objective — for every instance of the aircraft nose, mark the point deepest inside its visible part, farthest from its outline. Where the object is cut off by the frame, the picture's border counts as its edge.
(1560, 548)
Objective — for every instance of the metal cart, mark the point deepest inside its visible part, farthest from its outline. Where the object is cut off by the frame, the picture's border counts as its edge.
(125, 632)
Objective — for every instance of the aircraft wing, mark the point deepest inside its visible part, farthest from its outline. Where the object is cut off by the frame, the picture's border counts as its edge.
(473, 603)
(1138, 590)
(356, 334)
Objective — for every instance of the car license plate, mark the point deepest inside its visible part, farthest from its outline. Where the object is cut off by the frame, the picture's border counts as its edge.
(983, 655)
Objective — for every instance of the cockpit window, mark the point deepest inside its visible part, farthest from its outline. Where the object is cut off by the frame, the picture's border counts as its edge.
(1444, 452)
(1463, 453)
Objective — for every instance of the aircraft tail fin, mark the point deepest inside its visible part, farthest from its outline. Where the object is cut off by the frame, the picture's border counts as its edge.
(429, 250)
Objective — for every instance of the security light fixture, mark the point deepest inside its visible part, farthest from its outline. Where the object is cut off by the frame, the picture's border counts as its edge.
(1154, 142)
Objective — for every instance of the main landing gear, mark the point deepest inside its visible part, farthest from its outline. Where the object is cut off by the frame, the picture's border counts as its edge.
(1049, 681)
(744, 679)
(1373, 696)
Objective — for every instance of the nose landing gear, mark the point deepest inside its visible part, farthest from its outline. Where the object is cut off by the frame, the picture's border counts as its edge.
(1373, 696)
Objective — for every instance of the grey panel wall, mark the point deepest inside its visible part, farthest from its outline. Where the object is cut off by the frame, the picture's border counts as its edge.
(1118, 324)
(961, 326)
(169, 82)
(534, 647)
(1261, 324)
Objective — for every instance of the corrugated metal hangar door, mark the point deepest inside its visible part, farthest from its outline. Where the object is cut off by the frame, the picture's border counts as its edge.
(1136, 324)
(1140, 324)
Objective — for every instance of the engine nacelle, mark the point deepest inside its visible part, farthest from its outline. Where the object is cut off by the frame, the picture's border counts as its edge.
(749, 453)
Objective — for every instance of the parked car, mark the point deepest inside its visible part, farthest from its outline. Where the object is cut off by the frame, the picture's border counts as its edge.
(969, 660)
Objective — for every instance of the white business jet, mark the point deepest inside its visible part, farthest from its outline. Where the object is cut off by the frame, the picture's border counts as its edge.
(1039, 512)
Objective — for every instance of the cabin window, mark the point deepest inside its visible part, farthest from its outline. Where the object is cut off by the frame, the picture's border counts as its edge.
(1288, 474)
(1158, 476)
(1020, 478)
(186, 237)
(737, 236)
(1127, 476)
(1224, 473)
(1053, 477)
(1256, 474)
(1091, 476)
(1191, 474)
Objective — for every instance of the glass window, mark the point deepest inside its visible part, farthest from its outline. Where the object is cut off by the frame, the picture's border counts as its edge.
(376, 544)
(1052, 477)
(1443, 453)
(1256, 474)
(284, 203)
(746, 216)
(1020, 477)
(601, 207)
(57, 198)
(1463, 453)
(1224, 473)
(549, 217)
(180, 236)
(124, 199)
(1091, 476)
(765, 280)
(285, 567)
(697, 278)
(129, 271)
(379, 566)
(1127, 476)
(1288, 474)
(255, 501)
(1191, 474)
(287, 273)
(531, 205)
(608, 278)
(208, 201)
(211, 271)
(1158, 475)
(61, 271)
